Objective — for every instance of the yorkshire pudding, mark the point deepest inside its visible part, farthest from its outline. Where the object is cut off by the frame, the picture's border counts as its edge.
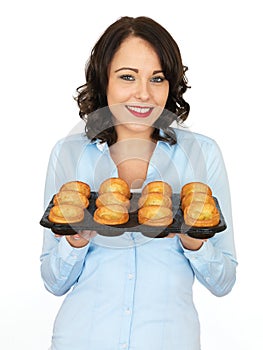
(199, 214)
(66, 214)
(78, 186)
(195, 187)
(115, 184)
(158, 186)
(109, 198)
(155, 198)
(196, 196)
(111, 215)
(155, 215)
(71, 197)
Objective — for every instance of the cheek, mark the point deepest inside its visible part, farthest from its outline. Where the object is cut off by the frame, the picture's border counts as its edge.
(164, 100)
(115, 94)
(115, 97)
(163, 96)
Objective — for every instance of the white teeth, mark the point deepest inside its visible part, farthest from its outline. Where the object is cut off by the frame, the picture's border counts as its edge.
(139, 109)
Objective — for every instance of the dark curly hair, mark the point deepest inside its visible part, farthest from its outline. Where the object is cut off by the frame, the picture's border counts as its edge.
(92, 98)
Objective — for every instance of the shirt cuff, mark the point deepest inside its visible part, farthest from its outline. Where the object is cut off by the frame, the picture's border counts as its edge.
(69, 253)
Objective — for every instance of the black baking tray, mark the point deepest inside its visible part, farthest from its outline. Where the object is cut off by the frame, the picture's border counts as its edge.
(178, 225)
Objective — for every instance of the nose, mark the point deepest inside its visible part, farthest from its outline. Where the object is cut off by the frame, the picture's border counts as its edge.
(142, 91)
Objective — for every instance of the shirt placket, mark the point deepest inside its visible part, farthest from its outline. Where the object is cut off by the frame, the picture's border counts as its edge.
(127, 309)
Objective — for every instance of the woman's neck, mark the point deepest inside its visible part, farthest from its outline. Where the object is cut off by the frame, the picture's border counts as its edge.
(124, 133)
(132, 157)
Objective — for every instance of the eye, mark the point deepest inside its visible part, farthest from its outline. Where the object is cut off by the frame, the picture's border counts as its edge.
(157, 79)
(127, 77)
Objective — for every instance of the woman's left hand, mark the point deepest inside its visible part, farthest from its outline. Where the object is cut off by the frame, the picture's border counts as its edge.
(188, 242)
(80, 239)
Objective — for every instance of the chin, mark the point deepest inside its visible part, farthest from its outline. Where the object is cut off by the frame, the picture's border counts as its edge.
(139, 128)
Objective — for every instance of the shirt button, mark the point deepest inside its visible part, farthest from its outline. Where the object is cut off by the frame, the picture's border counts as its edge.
(124, 346)
(128, 311)
(130, 276)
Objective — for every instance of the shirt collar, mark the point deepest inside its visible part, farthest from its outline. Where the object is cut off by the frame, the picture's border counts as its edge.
(102, 146)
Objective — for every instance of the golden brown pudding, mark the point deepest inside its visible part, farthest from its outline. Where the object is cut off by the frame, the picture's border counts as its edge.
(109, 198)
(155, 216)
(111, 215)
(201, 214)
(158, 186)
(155, 199)
(66, 214)
(78, 186)
(71, 197)
(196, 196)
(195, 187)
(115, 184)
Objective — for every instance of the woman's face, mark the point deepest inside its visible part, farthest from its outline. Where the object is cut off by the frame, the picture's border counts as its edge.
(137, 89)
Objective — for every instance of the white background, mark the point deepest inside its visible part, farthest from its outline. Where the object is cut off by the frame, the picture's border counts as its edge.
(44, 46)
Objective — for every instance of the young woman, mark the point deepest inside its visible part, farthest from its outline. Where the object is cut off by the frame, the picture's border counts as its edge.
(130, 291)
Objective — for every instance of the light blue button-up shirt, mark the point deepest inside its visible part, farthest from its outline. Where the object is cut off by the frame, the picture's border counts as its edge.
(130, 291)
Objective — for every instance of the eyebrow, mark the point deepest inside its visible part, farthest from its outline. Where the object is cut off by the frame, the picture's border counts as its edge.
(136, 70)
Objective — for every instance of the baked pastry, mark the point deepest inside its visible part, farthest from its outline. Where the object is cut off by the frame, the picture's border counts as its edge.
(66, 214)
(195, 187)
(115, 184)
(109, 198)
(155, 198)
(71, 197)
(196, 196)
(155, 215)
(158, 186)
(111, 215)
(201, 214)
(78, 186)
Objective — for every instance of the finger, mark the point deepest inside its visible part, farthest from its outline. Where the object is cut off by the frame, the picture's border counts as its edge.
(87, 234)
(76, 236)
(171, 235)
(184, 236)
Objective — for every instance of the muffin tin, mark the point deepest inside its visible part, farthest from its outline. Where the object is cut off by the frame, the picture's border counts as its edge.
(178, 225)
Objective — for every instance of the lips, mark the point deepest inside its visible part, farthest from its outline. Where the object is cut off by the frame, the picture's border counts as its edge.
(139, 111)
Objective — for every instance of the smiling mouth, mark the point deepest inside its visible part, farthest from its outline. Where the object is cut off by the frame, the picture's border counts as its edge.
(140, 112)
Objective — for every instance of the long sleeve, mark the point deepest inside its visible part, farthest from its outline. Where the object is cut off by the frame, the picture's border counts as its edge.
(215, 262)
(214, 268)
(61, 264)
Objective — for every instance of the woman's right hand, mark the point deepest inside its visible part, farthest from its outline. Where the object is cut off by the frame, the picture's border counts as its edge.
(80, 239)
